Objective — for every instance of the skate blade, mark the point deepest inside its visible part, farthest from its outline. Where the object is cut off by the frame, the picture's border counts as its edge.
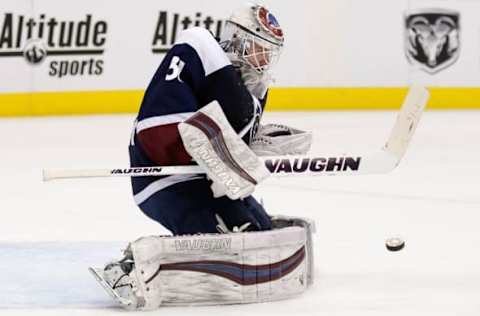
(98, 275)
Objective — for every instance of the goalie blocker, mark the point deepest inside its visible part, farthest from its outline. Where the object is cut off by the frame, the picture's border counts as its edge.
(211, 141)
(213, 269)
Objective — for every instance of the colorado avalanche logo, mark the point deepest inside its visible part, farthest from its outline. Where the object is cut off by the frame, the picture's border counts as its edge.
(269, 23)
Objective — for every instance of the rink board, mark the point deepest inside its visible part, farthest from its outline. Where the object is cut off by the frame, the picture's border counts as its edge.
(53, 274)
(345, 62)
(280, 99)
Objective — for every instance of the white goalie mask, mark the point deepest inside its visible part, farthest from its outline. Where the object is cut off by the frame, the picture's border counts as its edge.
(253, 36)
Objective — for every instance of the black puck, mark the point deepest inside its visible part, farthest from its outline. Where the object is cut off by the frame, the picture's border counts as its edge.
(395, 244)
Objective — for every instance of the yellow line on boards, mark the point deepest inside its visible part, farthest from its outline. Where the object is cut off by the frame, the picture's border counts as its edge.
(305, 99)
(314, 99)
(280, 99)
(68, 103)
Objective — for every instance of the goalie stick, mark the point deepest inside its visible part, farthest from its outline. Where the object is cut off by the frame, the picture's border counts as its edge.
(384, 160)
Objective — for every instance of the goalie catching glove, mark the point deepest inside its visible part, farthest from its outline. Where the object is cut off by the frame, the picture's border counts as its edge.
(232, 166)
(277, 140)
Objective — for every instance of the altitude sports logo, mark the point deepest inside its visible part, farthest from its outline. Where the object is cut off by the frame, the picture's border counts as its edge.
(169, 25)
(73, 48)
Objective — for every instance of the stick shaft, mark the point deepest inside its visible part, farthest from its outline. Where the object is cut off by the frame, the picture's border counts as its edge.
(52, 174)
(278, 166)
(382, 161)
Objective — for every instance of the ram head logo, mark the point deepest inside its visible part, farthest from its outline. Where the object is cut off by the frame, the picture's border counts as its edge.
(432, 39)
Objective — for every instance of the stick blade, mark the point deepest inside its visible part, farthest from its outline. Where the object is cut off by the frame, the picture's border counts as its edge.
(407, 121)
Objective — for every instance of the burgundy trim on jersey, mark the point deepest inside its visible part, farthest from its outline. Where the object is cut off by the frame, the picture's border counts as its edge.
(215, 136)
(163, 145)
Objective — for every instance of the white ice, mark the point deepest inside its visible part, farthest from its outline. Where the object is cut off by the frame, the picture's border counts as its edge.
(51, 232)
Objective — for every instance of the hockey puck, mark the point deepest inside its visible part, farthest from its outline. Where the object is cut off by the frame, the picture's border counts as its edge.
(395, 244)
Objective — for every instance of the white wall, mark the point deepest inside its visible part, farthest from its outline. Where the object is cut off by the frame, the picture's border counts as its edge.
(328, 43)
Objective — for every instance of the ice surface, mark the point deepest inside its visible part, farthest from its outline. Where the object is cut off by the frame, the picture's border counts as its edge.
(51, 232)
(52, 274)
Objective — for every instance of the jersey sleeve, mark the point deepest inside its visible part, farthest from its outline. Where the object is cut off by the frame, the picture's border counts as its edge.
(194, 72)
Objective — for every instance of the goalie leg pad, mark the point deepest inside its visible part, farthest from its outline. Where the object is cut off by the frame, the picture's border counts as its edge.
(223, 268)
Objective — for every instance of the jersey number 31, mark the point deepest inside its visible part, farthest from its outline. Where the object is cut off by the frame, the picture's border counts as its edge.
(175, 69)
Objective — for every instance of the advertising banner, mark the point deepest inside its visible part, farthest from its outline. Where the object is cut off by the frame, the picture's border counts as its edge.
(97, 56)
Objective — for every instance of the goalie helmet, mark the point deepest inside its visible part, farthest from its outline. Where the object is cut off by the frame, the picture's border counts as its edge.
(252, 36)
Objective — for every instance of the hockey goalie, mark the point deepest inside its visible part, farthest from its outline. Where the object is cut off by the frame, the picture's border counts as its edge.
(203, 106)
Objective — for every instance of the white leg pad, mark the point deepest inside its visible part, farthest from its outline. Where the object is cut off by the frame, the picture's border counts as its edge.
(223, 268)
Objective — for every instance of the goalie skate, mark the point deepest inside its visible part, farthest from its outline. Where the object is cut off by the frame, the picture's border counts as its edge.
(98, 274)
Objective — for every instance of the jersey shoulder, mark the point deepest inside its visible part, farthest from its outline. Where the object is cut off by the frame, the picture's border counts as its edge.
(211, 55)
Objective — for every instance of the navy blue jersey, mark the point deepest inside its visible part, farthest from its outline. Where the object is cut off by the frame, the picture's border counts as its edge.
(194, 72)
